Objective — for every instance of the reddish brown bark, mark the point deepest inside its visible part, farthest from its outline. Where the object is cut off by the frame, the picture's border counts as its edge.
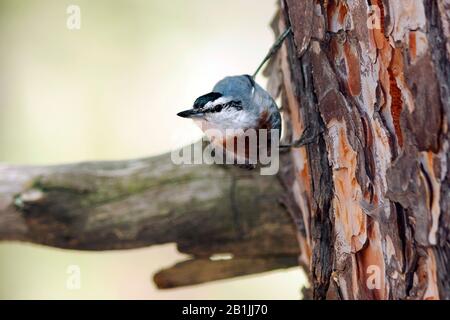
(372, 194)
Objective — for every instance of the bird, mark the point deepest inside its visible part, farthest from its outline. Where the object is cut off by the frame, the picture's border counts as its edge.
(238, 105)
(235, 107)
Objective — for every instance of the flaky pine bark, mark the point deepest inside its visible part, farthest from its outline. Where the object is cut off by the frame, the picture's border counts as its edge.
(372, 194)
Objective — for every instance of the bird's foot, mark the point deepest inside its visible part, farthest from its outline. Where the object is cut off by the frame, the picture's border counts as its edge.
(309, 135)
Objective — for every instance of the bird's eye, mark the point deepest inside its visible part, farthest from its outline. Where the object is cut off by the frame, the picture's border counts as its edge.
(218, 108)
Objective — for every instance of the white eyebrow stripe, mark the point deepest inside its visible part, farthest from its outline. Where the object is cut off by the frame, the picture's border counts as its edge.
(222, 100)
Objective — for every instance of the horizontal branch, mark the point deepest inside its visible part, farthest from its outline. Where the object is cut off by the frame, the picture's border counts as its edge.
(205, 209)
(198, 271)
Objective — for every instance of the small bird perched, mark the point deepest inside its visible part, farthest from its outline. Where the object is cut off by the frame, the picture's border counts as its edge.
(236, 105)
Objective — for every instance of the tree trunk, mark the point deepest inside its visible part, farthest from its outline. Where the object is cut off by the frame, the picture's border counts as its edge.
(373, 192)
(369, 198)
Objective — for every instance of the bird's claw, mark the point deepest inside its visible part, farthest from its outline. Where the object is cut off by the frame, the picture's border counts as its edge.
(309, 135)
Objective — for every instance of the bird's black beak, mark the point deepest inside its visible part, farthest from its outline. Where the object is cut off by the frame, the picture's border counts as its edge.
(191, 113)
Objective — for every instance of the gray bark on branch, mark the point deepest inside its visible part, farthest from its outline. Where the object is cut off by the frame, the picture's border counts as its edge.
(204, 209)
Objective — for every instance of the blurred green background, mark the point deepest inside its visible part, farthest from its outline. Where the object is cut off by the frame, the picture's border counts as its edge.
(111, 91)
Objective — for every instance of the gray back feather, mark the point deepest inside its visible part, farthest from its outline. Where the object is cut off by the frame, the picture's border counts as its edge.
(254, 98)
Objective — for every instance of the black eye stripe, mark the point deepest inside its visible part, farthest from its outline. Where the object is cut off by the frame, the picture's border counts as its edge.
(236, 104)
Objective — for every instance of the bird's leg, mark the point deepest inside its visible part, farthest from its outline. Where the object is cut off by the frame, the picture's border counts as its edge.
(309, 135)
(273, 49)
